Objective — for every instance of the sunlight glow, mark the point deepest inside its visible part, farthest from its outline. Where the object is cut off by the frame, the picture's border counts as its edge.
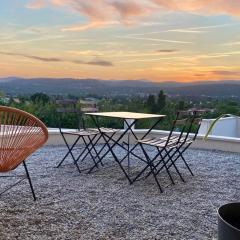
(156, 40)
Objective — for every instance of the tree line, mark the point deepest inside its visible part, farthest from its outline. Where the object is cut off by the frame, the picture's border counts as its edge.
(45, 108)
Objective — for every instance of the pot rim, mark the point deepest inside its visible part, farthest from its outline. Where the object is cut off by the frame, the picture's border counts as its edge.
(227, 204)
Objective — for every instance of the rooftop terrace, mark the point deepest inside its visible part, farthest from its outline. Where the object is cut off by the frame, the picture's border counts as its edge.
(103, 205)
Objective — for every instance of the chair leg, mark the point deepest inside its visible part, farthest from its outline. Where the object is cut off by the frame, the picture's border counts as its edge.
(94, 149)
(159, 154)
(155, 175)
(152, 168)
(29, 180)
(89, 150)
(69, 149)
(93, 144)
(165, 165)
(174, 165)
(180, 155)
(186, 164)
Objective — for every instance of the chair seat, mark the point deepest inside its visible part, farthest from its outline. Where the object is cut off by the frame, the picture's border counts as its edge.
(171, 148)
(108, 130)
(174, 141)
(103, 130)
(90, 131)
(81, 132)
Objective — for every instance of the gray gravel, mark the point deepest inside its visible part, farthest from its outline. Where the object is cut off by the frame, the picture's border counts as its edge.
(104, 206)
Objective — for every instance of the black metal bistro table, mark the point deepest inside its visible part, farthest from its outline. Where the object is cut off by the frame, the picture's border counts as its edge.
(130, 119)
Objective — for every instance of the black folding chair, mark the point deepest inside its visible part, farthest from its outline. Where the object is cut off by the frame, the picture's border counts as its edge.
(185, 141)
(171, 148)
(69, 108)
(89, 137)
(90, 107)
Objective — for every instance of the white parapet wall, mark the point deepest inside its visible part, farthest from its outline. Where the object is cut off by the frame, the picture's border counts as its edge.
(224, 127)
(223, 143)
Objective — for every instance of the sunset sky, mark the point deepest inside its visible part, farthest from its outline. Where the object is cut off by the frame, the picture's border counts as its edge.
(158, 40)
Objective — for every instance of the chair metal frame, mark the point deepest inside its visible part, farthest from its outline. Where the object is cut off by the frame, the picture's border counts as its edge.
(116, 142)
(70, 106)
(170, 148)
(182, 147)
(21, 134)
(90, 136)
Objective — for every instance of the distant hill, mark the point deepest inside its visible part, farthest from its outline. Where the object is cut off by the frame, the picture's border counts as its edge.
(219, 90)
(16, 86)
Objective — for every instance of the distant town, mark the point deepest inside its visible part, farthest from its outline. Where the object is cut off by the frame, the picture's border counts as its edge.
(38, 96)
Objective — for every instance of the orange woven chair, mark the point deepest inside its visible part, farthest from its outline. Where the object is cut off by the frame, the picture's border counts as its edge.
(21, 134)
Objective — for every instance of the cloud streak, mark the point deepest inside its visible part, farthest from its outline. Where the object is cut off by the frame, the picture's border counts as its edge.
(185, 31)
(190, 30)
(156, 39)
(102, 13)
(229, 7)
(96, 62)
(201, 29)
(226, 72)
(231, 43)
(167, 50)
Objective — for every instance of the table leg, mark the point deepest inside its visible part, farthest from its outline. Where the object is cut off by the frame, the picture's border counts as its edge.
(107, 139)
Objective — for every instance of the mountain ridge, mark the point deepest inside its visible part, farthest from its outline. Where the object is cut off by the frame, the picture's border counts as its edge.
(89, 86)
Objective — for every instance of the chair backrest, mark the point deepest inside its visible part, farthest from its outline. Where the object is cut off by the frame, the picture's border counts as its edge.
(66, 106)
(198, 119)
(21, 134)
(88, 106)
(189, 121)
(76, 107)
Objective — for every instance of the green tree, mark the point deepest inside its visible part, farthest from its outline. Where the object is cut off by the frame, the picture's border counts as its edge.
(181, 105)
(151, 103)
(161, 100)
(2, 93)
(40, 98)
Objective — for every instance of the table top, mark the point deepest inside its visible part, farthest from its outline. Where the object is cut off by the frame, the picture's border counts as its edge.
(126, 115)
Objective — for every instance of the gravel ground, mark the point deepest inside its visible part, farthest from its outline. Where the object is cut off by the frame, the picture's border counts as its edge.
(103, 205)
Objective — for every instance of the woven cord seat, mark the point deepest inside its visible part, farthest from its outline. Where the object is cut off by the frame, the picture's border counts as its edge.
(21, 134)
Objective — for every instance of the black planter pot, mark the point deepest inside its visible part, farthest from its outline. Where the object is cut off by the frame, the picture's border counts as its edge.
(229, 222)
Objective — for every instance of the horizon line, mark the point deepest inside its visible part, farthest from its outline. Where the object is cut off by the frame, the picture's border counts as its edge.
(142, 80)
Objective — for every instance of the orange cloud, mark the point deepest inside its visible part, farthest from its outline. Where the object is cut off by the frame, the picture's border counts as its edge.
(102, 13)
(37, 4)
(229, 7)
(128, 9)
(102, 9)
